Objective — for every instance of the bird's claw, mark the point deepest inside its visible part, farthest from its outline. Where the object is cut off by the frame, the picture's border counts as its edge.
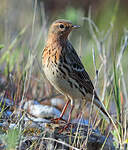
(56, 120)
(66, 126)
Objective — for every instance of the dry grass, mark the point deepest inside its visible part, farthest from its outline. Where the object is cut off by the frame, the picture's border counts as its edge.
(20, 63)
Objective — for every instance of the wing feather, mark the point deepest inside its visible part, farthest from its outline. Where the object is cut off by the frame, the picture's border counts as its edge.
(78, 72)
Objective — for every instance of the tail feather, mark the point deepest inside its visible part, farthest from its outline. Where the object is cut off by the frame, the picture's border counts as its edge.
(107, 116)
(103, 110)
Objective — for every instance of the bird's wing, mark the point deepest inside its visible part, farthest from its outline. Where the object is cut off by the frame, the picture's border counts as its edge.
(78, 72)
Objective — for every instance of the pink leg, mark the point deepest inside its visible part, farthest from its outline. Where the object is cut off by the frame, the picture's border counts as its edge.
(64, 109)
(68, 122)
(62, 113)
(70, 113)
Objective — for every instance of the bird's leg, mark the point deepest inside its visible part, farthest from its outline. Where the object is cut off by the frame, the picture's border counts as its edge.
(64, 109)
(69, 118)
(62, 113)
(70, 113)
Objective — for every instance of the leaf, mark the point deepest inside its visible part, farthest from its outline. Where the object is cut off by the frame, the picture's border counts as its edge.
(126, 141)
(1, 46)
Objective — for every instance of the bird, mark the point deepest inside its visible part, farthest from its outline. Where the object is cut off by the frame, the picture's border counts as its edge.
(64, 69)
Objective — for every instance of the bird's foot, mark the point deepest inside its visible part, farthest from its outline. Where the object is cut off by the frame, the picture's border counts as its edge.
(67, 126)
(56, 120)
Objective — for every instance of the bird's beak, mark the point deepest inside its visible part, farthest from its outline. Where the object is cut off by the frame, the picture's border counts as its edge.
(75, 26)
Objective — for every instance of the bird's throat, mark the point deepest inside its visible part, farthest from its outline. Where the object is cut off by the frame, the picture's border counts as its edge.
(55, 38)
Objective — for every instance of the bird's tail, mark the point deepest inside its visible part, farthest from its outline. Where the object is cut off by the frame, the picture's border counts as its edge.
(103, 110)
(106, 115)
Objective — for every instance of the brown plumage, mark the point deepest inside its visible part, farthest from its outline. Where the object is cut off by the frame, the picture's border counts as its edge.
(63, 67)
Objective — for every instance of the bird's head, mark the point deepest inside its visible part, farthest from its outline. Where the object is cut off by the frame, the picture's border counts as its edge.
(61, 28)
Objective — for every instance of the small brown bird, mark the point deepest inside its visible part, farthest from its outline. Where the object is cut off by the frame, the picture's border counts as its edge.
(64, 69)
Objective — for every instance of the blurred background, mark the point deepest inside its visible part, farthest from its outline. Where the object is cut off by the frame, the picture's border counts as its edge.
(23, 32)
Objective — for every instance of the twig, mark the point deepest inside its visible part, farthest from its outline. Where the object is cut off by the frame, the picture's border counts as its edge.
(123, 48)
(54, 140)
(92, 104)
(91, 26)
(94, 62)
(125, 104)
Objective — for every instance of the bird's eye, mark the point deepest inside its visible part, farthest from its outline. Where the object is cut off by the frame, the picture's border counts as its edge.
(61, 26)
